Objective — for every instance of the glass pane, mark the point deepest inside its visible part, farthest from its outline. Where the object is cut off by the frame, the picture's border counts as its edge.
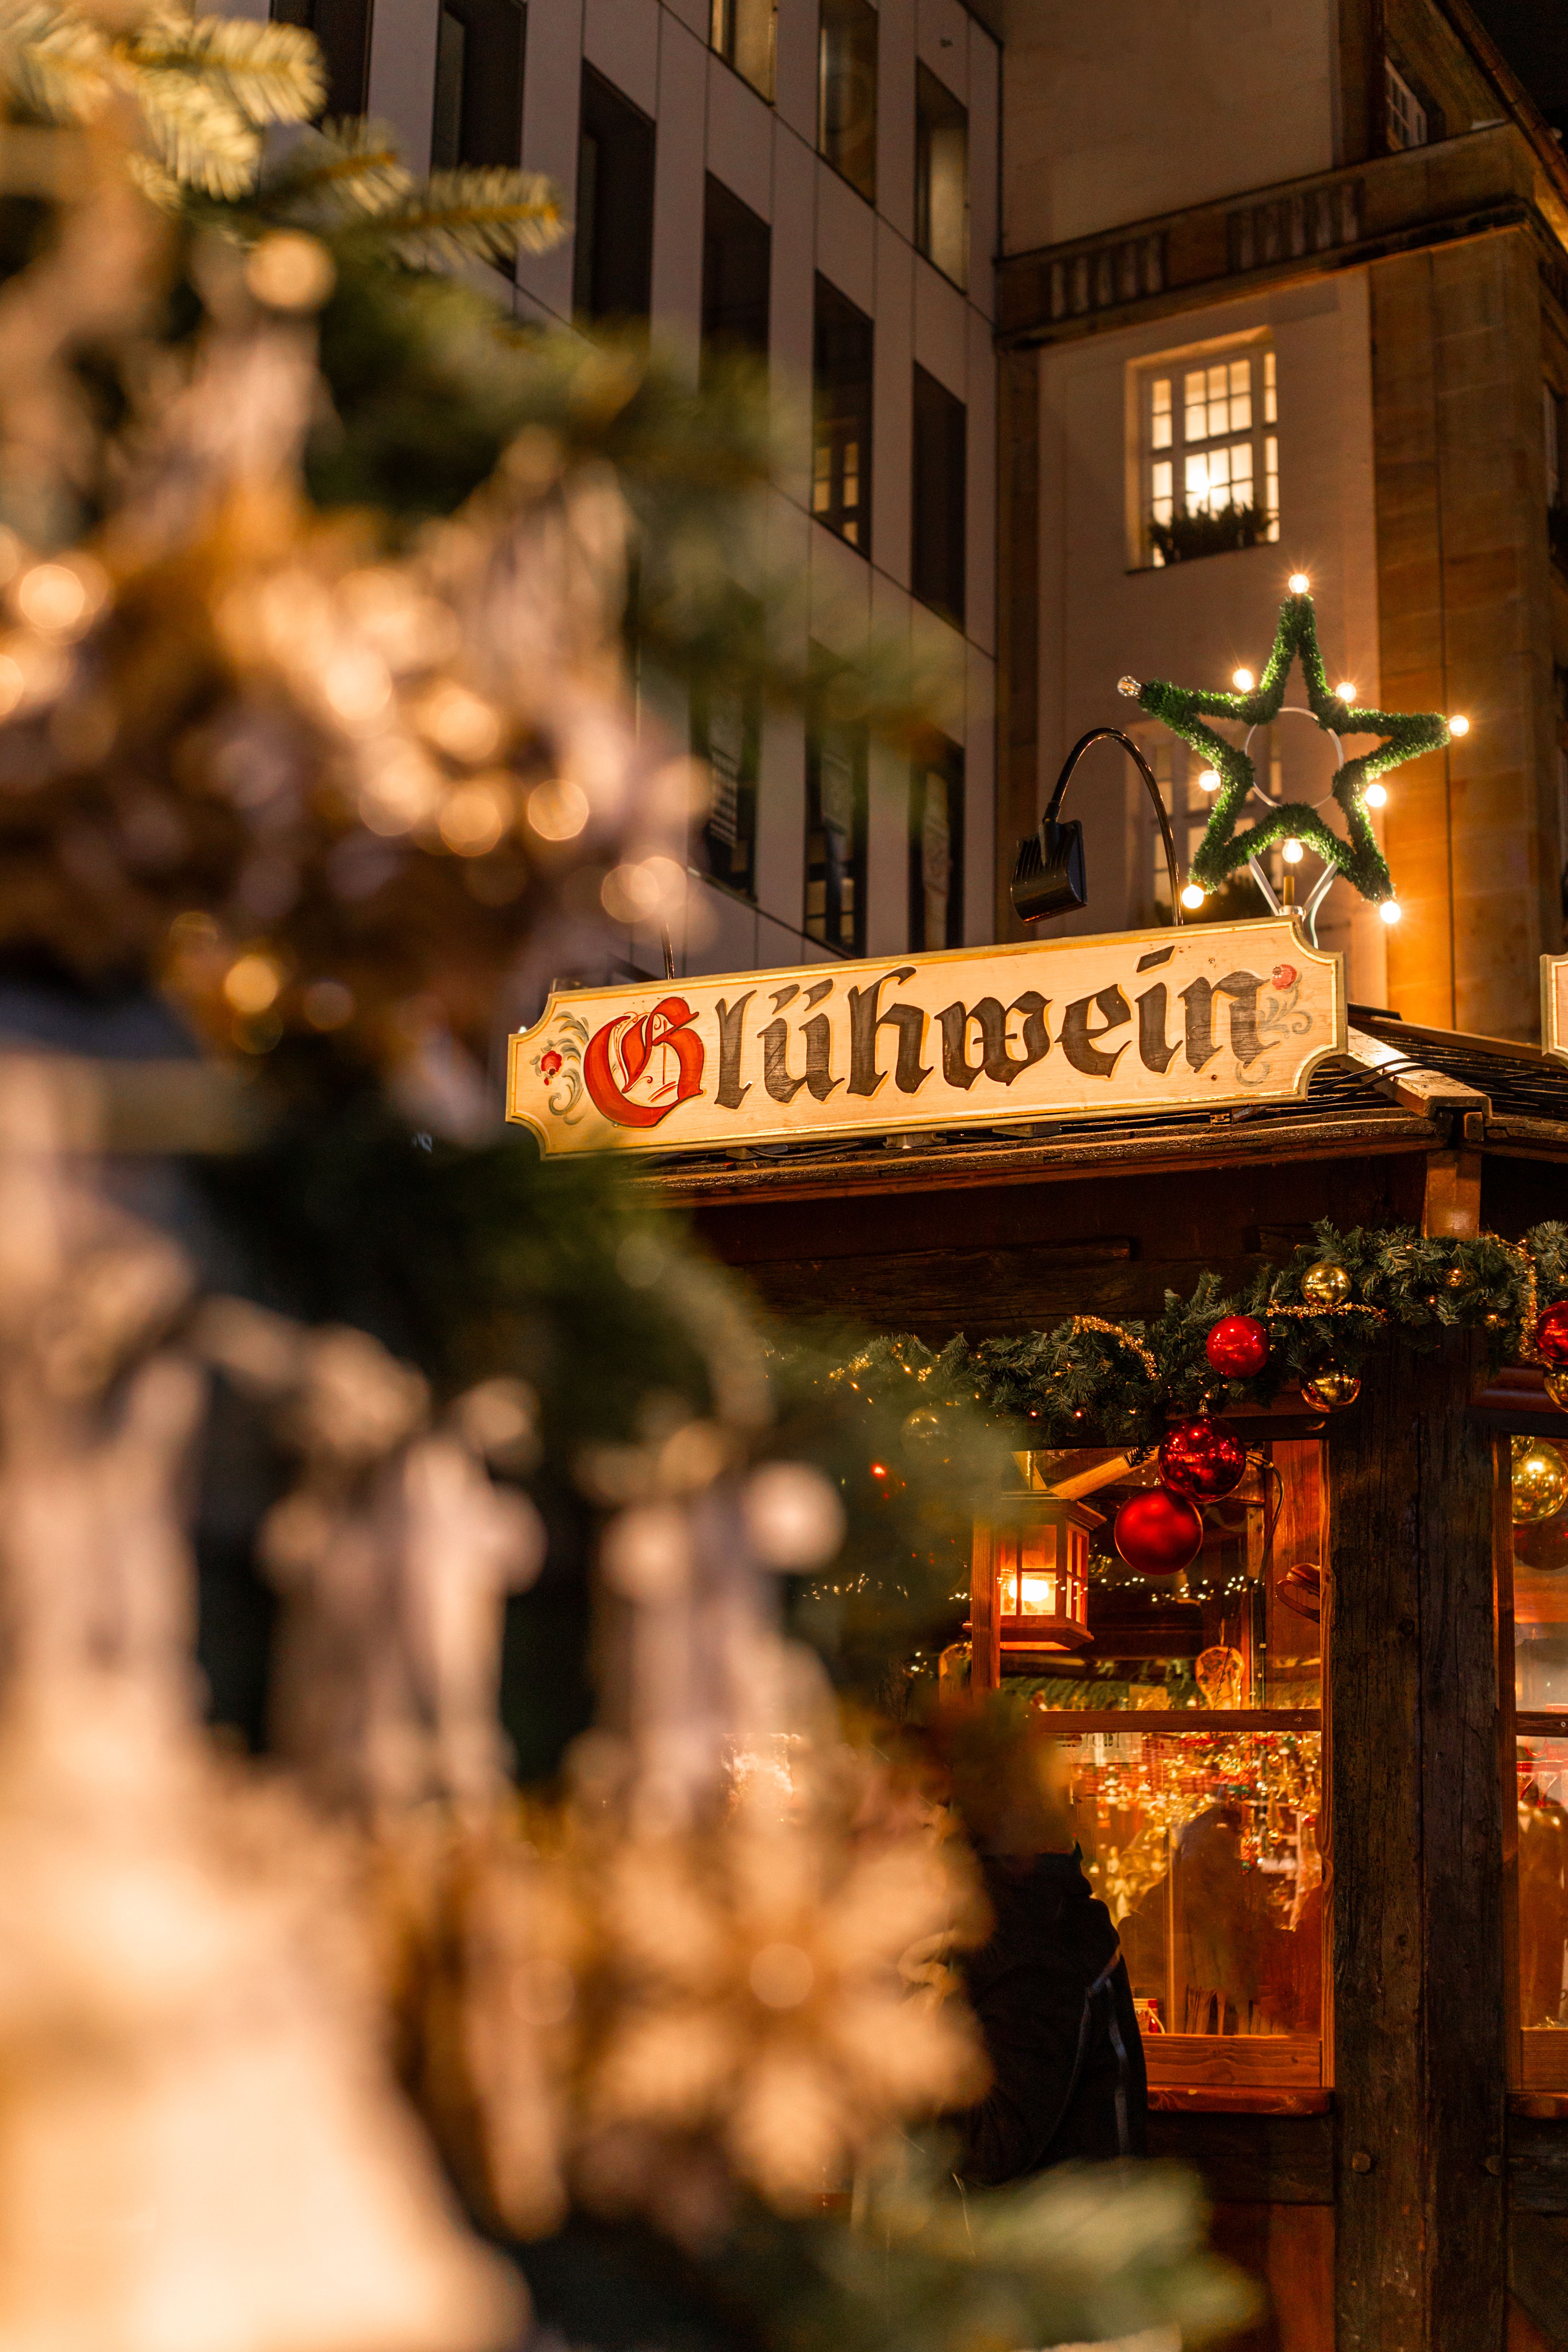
(1238, 1628)
(1197, 413)
(1198, 484)
(1206, 1848)
(1241, 473)
(1540, 1521)
(1240, 395)
(1270, 415)
(1543, 1885)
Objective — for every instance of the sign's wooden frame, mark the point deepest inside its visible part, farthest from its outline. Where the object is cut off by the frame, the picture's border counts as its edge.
(1206, 1016)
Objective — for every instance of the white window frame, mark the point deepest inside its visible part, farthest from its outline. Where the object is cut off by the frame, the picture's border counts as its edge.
(1405, 115)
(1205, 424)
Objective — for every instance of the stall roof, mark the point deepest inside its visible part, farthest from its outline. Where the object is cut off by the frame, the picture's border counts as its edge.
(1400, 1087)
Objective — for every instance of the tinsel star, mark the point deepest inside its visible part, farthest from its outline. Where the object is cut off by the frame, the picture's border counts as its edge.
(1405, 736)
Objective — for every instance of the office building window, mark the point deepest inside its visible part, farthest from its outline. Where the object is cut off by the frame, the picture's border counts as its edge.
(937, 516)
(836, 837)
(342, 28)
(936, 851)
(846, 92)
(941, 176)
(1554, 433)
(1209, 456)
(1406, 116)
(841, 388)
(737, 255)
(1187, 786)
(726, 731)
(478, 114)
(613, 258)
(742, 32)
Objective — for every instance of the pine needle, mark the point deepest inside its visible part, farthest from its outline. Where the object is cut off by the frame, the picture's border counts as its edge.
(353, 163)
(475, 215)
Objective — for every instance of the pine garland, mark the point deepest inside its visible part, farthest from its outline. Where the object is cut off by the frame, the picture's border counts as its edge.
(1223, 852)
(1091, 1383)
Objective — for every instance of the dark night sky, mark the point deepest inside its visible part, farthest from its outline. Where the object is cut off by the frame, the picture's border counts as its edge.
(1533, 36)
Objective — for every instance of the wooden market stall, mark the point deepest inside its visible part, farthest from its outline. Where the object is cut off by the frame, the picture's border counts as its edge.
(1369, 2063)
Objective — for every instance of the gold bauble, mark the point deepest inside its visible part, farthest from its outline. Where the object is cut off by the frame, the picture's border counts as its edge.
(1557, 1388)
(1325, 1284)
(923, 1426)
(1330, 1391)
(1540, 1481)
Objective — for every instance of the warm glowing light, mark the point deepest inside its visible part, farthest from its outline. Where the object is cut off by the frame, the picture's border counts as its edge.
(1376, 795)
(879, 1470)
(1299, 584)
(290, 271)
(252, 983)
(474, 817)
(1193, 896)
(1460, 726)
(1208, 781)
(1243, 681)
(1344, 691)
(558, 811)
(1390, 910)
(1291, 853)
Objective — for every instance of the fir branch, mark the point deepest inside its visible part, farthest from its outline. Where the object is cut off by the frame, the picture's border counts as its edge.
(266, 72)
(346, 167)
(474, 215)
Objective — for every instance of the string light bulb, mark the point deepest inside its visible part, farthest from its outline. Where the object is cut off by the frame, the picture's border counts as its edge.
(1291, 853)
(1390, 912)
(1460, 726)
(1208, 780)
(1243, 681)
(1193, 896)
(1344, 691)
(1376, 795)
(1299, 584)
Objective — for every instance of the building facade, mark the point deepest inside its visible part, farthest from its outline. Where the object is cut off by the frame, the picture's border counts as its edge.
(1286, 293)
(815, 182)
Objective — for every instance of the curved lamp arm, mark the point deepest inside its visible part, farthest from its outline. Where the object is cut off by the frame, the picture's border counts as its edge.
(1115, 735)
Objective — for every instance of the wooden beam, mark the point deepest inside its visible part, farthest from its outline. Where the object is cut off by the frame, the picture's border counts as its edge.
(1415, 1809)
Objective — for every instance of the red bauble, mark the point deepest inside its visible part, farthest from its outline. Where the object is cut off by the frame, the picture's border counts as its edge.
(1551, 1332)
(1157, 1532)
(1203, 1458)
(1237, 1346)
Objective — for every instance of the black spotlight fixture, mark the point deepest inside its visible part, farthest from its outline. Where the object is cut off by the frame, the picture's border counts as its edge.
(1048, 876)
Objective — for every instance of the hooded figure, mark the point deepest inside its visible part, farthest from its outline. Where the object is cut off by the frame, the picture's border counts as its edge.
(1049, 1986)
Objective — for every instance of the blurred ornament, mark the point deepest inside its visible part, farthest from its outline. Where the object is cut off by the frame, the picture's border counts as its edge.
(1551, 1333)
(1557, 1388)
(793, 1516)
(1331, 1390)
(1203, 1458)
(1540, 1480)
(1458, 1277)
(1158, 1533)
(922, 1427)
(1325, 1284)
(1237, 1346)
(1300, 1588)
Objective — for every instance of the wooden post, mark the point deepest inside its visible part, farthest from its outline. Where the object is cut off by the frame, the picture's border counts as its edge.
(985, 1624)
(1416, 1825)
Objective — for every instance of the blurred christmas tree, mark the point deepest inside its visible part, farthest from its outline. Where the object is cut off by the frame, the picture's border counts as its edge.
(320, 578)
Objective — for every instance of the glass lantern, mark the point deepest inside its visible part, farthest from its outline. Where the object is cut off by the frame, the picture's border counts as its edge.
(1031, 1588)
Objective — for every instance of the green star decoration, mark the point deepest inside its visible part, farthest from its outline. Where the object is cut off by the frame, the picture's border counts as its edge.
(1223, 852)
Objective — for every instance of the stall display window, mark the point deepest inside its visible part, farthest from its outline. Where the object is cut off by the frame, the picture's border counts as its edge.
(1183, 1713)
(1532, 1590)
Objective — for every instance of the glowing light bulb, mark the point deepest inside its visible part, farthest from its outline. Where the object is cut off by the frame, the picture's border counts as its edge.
(1344, 692)
(1299, 584)
(1193, 896)
(1390, 910)
(1458, 725)
(1243, 681)
(1291, 853)
(1377, 795)
(1208, 780)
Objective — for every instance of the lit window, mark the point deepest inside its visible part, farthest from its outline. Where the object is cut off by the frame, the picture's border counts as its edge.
(1209, 466)
(941, 176)
(841, 454)
(1407, 115)
(836, 842)
(742, 31)
(936, 851)
(846, 92)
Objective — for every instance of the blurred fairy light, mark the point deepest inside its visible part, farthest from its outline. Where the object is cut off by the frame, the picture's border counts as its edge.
(559, 810)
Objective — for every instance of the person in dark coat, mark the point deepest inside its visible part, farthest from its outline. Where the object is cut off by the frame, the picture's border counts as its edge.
(1049, 1986)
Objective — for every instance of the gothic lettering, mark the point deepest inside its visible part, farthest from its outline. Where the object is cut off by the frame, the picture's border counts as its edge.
(909, 1072)
(1077, 1039)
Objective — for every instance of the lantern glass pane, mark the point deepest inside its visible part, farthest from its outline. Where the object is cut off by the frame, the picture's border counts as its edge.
(1534, 1566)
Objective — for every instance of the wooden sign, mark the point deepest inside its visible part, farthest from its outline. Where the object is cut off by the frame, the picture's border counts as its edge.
(1196, 1018)
(1554, 1005)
